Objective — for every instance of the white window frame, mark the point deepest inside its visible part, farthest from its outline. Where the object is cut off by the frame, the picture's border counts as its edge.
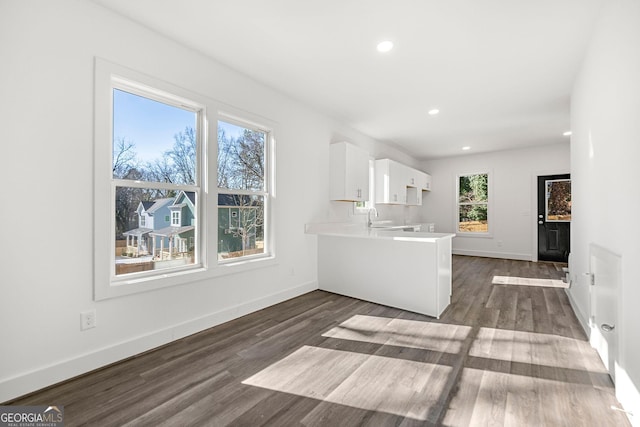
(143, 220)
(268, 191)
(106, 285)
(176, 218)
(489, 232)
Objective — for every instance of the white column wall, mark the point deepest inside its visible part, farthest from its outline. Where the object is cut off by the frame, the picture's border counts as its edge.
(605, 150)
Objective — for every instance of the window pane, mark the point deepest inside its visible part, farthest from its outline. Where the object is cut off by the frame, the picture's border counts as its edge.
(240, 225)
(241, 157)
(153, 141)
(148, 236)
(473, 188)
(559, 200)
(473, 218)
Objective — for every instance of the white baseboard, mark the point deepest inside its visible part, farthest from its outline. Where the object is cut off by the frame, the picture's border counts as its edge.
(63, 370)
(584, 320)
(489, 254)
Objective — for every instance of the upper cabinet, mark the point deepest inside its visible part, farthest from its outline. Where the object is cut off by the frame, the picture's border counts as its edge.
(391, 180)
(399, 184)
(349, 172)
(425, 181)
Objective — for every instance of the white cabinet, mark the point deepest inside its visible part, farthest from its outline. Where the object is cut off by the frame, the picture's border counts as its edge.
(414, 196)
(399, 184)
(413, 177)
(426, 181)
(349, 172)
(391, 179)
(415, 186)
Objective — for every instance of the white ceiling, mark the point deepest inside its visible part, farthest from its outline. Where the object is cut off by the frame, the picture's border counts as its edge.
(500, 71)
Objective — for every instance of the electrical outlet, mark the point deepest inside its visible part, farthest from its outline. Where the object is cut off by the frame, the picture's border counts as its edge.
(87, 320)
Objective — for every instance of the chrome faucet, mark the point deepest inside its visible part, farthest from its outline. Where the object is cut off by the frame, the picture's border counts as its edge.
(375, 211)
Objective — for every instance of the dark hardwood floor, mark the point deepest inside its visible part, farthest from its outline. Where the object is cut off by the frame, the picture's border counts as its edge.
(500, 355)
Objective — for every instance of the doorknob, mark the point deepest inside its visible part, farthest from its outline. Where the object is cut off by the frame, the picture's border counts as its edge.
(607, 328)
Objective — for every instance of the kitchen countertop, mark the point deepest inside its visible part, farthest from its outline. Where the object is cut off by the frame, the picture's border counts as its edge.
(360, 230)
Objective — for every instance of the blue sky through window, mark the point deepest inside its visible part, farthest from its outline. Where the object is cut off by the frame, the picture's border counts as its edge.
(150, 125)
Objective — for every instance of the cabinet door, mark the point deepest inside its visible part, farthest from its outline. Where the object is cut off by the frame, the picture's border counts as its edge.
(398, 177)
(349, 173)
(426, 182)
(390, 182)
(357, 176)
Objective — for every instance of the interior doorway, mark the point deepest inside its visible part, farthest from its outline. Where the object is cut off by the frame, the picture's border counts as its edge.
(554, 217)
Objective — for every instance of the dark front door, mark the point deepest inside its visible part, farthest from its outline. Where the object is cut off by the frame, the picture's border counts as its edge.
(554, 217)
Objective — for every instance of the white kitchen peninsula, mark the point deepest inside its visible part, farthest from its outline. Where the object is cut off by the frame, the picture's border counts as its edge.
(407, 270)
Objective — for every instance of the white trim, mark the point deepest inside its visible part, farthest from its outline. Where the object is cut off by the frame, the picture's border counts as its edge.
(582, 319)
(61, 370)
(490, 254)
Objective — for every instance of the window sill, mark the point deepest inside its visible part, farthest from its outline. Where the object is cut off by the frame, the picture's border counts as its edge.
(233, 266)
(133, 286)
(474, 235)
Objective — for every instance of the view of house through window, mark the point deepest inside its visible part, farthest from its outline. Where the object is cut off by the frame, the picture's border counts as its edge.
(473, 203)
(242, 190)
(155, 153)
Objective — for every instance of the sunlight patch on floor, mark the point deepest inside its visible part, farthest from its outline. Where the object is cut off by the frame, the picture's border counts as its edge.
(529, 347)
(521, 399)
(526, 281)
(375, 383)
(400, 332)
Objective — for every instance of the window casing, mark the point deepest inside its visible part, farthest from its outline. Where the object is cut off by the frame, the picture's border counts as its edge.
(473, 195)
(197, 240)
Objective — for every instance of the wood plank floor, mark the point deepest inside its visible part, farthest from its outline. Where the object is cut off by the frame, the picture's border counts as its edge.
(500, 355)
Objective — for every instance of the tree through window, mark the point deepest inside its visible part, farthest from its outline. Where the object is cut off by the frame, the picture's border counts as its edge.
(155, 153)
(473, 203)
(242, 190)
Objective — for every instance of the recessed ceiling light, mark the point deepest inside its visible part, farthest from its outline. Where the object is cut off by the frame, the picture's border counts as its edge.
(433, 112)
(466, 148)
(385, 46)
(567, 133)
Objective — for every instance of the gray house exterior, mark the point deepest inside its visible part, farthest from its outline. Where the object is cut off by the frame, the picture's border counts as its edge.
(166, 227)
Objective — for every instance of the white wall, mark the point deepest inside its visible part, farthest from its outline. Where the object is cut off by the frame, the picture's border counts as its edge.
(513, 198)
(46, 108)
(605, 148)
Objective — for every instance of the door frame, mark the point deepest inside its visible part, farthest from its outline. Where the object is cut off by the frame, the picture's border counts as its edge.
(533, 213)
